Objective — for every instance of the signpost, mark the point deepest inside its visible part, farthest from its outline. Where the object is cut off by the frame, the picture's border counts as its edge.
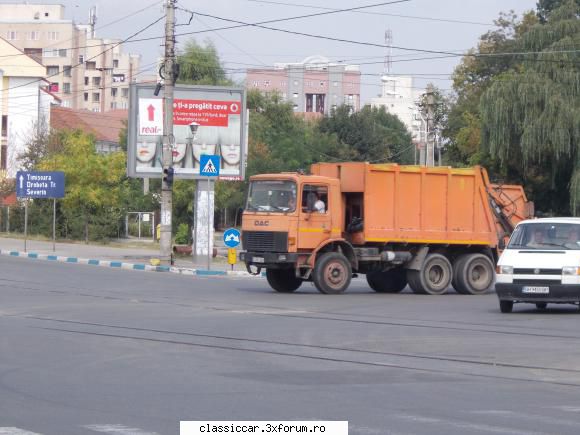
(209, 167)
(41, 185)
(232, 240)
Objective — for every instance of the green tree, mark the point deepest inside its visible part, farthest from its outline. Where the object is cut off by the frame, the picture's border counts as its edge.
(201, 65)
(545, 7)
(531, 115)
(371, 135)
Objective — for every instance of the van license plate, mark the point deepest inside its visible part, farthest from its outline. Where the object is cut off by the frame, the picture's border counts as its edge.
(258, 259)
(536, 290)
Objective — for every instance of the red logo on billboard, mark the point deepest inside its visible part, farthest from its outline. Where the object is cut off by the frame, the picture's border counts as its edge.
(204, 112)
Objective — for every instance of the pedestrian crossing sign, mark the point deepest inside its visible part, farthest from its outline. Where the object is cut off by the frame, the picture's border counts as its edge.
(209, 165)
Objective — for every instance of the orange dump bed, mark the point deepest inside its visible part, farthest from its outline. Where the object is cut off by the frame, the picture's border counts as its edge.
(415, 204)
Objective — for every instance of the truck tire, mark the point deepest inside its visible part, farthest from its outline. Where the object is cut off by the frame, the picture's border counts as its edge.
(391, 281)
(473, 274)
(506, 306)
(332, 273)
(283, 280)
(433, 278)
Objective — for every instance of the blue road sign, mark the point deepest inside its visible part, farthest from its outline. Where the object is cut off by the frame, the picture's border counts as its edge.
(209, 165)
(39, 184)
(231, 237)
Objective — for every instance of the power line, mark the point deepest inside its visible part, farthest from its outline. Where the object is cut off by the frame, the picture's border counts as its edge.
(444, 20)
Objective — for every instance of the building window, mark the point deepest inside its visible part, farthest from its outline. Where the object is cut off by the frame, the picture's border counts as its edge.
(255, 83)
(86, 81)
(66, 70)
(34, 53)
(295, 94)
(3, 157)
(52, 36)
(53, 87)
(11, 35)
(295, 107)
(115, 63)
(66, 88)
(33, 36)
(113, 92)
(125, 92)
(65, 103)
(315, 103)
(322, 84)
(86, 96)
(81, 59)
(113, 104)
(96, 81)
(52, 70)
(266, 83)
(62, 52)
(90, 65)
(282, 84)
(4, 125)
(96, 97)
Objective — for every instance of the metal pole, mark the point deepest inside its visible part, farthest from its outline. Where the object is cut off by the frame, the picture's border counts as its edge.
(54, 225)
(25, 223)
(208, 226)
(167, 187)
(139, 226)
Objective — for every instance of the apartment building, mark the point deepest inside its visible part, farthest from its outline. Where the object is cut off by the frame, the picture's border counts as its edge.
(314, 85)
(24, 105)
(84, 71)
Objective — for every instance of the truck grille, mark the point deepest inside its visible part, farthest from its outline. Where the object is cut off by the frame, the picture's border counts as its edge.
(265, 241)
(540, 271)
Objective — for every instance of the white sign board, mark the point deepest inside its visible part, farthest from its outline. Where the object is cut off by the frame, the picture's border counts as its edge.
(150, 116)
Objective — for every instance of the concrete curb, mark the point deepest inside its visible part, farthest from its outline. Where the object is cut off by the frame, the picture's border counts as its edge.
(127, 266)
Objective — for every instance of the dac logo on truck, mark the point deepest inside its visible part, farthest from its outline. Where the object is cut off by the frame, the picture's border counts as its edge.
(262, 223)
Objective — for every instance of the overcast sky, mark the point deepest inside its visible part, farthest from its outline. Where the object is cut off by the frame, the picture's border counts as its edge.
(438, 25)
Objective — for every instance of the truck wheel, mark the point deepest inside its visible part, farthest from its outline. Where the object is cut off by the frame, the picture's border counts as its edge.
(283, 280)
(391, 281)
(434, 276)
(473, 274)
(506, 306)
(332, 273)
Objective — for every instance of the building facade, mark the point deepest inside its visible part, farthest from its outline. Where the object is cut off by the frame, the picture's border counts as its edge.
(399, 98)
(24, 105)
(85, 72)
(314, 85)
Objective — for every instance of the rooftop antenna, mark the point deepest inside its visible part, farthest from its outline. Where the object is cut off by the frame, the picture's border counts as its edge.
(92, 20)
(388, 65)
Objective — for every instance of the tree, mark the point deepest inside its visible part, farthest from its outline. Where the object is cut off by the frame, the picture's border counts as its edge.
(201, 65)
(371, 135)
(531, 115)
(545, 7)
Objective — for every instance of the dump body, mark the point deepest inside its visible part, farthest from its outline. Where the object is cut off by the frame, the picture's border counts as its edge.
(396, 224)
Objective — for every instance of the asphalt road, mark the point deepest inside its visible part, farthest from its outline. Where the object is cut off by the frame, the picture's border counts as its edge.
(87, 350)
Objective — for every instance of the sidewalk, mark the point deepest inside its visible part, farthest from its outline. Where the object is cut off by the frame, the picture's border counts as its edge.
(124, 253)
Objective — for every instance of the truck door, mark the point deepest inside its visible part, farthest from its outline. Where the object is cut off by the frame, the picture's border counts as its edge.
(314, 225)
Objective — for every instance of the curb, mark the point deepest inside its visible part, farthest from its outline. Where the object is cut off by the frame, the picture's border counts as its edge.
(127, 266)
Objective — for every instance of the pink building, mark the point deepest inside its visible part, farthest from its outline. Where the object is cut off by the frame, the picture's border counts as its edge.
(314, 85)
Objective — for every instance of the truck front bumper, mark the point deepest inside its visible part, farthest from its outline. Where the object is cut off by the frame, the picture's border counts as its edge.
(270, 260)
(558, 293)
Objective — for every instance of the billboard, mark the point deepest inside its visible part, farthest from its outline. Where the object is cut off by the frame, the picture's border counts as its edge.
(207, 120)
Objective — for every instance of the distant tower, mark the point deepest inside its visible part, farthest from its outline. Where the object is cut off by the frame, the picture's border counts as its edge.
(93, 20)
(388, 57)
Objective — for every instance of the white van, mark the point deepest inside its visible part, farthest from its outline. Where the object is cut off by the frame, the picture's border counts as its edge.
(541, 264)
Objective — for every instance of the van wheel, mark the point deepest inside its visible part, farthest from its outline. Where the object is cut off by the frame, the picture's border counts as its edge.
(332, 273)
(433, 278)
(473, 274)
(391, 281)
(506, 306)
(283, 280)
(541, 305)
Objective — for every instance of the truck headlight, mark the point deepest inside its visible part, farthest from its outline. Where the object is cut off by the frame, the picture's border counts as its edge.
(505, 270)
(571, 270)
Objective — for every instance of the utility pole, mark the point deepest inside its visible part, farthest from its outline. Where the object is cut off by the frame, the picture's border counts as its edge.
(430, 151)
(168, 138)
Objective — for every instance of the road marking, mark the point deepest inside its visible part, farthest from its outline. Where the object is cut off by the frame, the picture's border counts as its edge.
(15, 431)
(117, 429)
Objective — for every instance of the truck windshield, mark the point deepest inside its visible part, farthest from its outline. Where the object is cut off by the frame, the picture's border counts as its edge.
(272, 196)
(545, 236)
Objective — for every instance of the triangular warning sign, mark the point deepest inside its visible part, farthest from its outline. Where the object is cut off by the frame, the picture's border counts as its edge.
(209, 167)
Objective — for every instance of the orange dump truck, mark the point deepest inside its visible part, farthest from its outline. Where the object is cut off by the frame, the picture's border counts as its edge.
(399, 225)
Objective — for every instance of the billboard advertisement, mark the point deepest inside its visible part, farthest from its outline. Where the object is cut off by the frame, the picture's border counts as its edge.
(207, 120)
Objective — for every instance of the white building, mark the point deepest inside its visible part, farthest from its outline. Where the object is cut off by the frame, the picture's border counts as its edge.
(24, 102)
(400, 98)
